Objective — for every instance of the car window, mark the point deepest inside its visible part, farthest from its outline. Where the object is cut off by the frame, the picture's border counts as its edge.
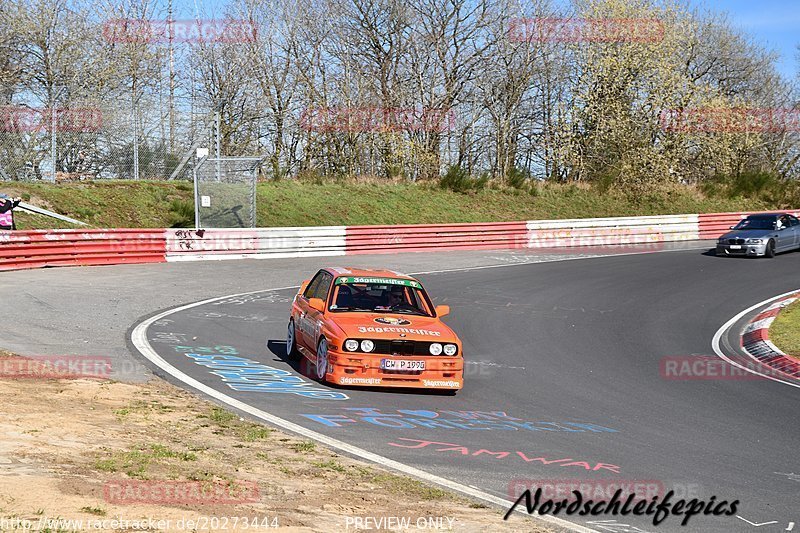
(756, 222)
(380, 295)
(324, 286)
(312, 287)
(793, 221)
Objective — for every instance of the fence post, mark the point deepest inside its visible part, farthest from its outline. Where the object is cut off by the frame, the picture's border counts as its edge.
(196, 205)
(53, 121)
(53, 142)
(135, 143)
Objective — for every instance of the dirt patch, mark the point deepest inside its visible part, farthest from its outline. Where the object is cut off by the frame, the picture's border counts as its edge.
(101, 451)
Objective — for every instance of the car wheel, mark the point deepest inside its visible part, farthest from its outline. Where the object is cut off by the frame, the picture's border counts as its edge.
(770, 251)
(321, 366)
(291, 341)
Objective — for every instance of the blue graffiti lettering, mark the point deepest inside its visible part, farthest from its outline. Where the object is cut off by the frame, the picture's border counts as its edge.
(246, 375)
(469, 420)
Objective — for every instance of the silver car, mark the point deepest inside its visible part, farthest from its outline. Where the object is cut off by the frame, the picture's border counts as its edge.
(761, 235)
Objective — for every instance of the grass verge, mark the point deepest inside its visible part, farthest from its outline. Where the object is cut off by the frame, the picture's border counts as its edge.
(785, 330)
(152, 204)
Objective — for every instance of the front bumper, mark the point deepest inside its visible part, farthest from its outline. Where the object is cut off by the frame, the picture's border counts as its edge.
(751, 250)
(362, 370)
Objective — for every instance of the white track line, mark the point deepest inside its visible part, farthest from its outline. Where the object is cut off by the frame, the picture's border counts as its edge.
(139, 339)
(721, 331)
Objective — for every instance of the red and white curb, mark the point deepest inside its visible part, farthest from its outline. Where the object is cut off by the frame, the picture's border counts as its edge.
(755, 339)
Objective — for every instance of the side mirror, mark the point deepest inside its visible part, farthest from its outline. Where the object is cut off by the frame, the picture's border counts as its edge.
(442, 310)
(317, 303)
(731, 227)
(303, 286)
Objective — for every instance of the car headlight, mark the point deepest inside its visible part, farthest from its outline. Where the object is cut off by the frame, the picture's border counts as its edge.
(450, 349)
(351, 345)
(754, 241)
(367, 345)
(435, 348)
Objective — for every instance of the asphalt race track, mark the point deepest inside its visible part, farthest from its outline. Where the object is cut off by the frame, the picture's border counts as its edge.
(565, 372)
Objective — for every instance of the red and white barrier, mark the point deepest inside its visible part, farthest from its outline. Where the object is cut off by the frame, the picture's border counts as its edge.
(432, 237)
(45, 248)
(34, 249)
(611, 231)
(256, 243)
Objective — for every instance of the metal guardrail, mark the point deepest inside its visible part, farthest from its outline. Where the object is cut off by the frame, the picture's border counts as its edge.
(33, 249)
(46, 248)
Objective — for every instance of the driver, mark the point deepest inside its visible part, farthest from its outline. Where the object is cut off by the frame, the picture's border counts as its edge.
(395, 296)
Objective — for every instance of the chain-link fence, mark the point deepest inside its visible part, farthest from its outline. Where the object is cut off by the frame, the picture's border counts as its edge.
(86, 141)
(225, 192)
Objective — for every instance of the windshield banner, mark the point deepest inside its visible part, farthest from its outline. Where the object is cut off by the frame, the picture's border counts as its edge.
(379, 281)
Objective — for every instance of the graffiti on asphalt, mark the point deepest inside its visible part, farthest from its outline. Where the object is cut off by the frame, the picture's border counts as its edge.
(246, 375)
(261, 297)
(516, 455)
(470, 420)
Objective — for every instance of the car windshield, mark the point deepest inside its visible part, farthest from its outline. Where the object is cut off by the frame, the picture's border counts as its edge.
(380, 295)
(756, 223)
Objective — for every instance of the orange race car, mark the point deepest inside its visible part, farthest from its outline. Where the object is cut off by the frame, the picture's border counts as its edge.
(373, 328)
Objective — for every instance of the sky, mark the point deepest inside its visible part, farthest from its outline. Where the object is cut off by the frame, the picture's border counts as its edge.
(775, 24)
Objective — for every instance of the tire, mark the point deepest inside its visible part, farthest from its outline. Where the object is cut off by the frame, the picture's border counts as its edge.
(291, 342)
(770, 250)
(322, 357)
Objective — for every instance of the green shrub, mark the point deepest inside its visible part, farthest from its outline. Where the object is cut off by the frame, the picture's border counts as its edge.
(518, 178)
(181, 214)
(758, 185)
(457, 179)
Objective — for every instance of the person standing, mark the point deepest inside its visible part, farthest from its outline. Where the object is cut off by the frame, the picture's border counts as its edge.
(7, 206)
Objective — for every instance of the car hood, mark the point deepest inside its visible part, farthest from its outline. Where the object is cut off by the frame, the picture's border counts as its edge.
(393, 326)
(749, 234)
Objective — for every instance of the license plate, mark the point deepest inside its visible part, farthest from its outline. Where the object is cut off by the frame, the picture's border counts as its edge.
(736, 246)
(402, 364)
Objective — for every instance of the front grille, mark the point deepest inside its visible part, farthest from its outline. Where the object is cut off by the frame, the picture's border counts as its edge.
(735, 241)
(402, 347)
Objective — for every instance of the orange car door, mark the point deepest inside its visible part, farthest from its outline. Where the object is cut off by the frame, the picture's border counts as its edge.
(314, 317)
(302, 324)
